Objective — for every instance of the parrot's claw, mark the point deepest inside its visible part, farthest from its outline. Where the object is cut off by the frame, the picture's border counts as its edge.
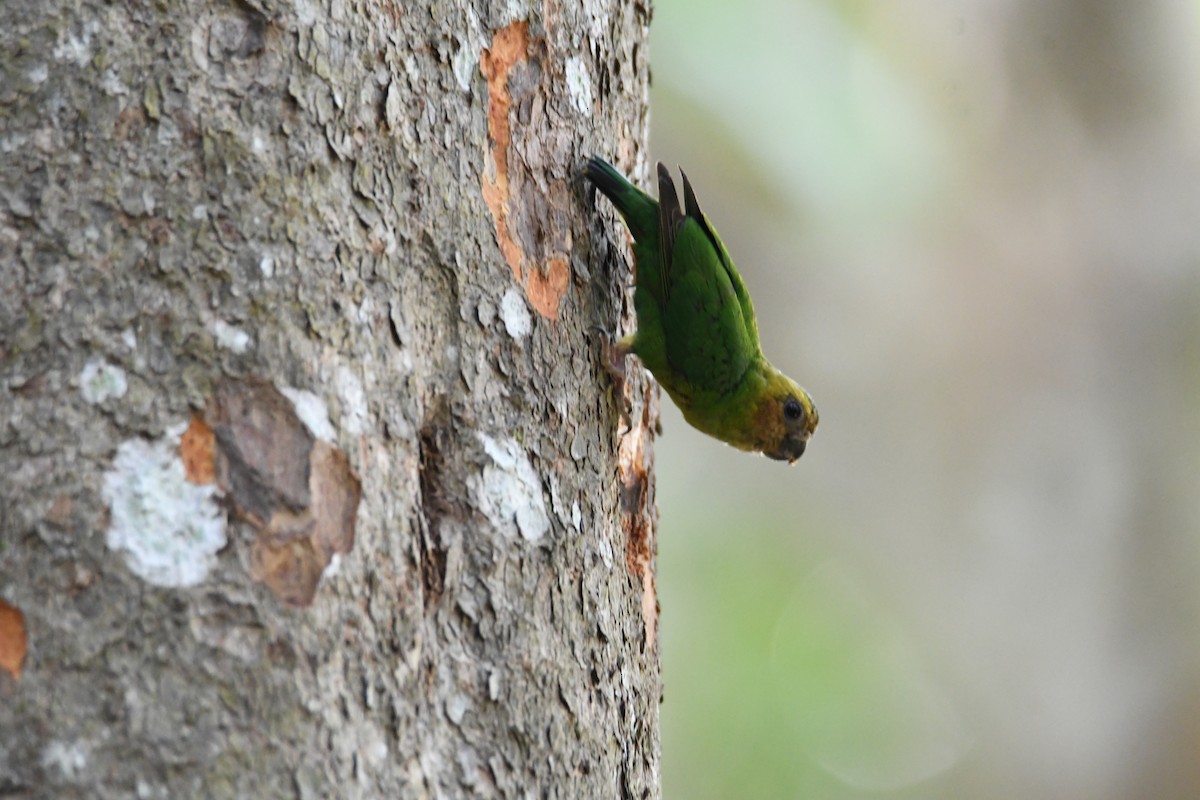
(612, 358)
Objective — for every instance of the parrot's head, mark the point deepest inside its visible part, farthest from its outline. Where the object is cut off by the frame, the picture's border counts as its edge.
(785, 418)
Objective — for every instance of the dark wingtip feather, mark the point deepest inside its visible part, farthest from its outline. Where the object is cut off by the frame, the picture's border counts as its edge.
(689, 199)
(670, 217)
(664, 176)
(693, 211)
(668, 201)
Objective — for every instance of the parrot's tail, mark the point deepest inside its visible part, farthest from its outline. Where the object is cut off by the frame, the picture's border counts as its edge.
(638, 209)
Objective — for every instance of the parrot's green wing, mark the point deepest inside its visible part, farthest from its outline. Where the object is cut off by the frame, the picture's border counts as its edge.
(710, 340)
(735, 279)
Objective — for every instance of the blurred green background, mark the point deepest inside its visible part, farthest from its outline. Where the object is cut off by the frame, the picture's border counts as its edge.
(972, 231)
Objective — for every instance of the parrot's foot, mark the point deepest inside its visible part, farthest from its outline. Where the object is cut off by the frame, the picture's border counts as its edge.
(612, 358)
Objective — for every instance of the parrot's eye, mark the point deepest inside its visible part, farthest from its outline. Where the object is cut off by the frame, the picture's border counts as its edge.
(792, 409)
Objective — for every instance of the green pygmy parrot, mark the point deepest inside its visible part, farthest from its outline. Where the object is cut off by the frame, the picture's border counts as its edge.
(696, 330)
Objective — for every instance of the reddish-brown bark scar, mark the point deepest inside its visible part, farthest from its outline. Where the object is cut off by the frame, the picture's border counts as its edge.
(538, 262)
(196, 449)
(299, 493)
(14, 642)
(634, 458)
(509, 47)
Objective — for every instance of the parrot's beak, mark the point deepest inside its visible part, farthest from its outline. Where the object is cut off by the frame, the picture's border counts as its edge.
(789, 450)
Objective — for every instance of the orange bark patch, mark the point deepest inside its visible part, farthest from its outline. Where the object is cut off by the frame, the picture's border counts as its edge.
(535, 244)
(196, 452)
(509, 46)
(13, 640)
(545, 292)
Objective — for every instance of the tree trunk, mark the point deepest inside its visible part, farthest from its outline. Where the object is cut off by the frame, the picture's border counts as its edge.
(311, 483)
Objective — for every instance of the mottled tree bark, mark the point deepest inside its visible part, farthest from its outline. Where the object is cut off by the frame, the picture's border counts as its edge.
(311, 483)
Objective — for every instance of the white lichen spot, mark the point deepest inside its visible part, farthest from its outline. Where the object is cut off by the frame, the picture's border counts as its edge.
(129, 339)
(515, 9)
(11, 144)
(38, 73)
(456, 708)
(333, 567)
(306, 12)
(200, 212)
(100, 380)
(67, 758)
(168, 528)
(606, 552)
(230, 337)
(576, 516)
(509, 492)
(354, 400)
(76, 48)
(266, 265)
(466, 59)
(112, 84)
(579, 85)
(312, 411)
(514, 312)
(464, 63)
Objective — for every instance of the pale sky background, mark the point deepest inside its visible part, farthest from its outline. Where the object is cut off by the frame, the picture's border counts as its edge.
(972, 232)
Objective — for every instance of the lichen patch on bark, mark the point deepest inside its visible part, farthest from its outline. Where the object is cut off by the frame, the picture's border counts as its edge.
(168, 529)
(509, 491)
